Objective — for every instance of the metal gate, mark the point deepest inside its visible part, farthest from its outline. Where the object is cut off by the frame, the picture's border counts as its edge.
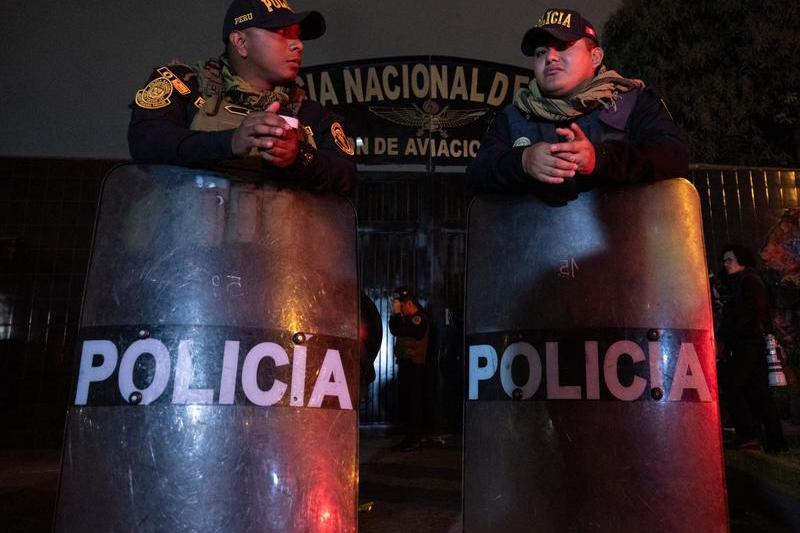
(412, 233)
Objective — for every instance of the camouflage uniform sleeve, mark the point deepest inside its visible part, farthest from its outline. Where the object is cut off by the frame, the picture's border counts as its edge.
(161, 113)
(326, 161)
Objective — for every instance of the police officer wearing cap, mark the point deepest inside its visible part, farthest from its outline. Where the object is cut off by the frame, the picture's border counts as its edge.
(409, 324)
(576, 119)
(243, 110)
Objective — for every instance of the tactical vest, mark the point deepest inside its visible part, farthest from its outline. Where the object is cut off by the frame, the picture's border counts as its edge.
(599, 126)
(414, 350)
(217, 113)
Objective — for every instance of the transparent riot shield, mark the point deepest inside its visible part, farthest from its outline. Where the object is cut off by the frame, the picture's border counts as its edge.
(591, 390)
(217, 370)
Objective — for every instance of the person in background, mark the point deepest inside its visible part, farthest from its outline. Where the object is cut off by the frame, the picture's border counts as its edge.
(742, 356)
(410, 326)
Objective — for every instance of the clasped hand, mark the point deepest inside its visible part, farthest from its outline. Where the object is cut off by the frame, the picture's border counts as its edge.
(553, 163)
(269, 134)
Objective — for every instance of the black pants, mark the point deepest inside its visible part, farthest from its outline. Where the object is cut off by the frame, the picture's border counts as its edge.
(411, 389)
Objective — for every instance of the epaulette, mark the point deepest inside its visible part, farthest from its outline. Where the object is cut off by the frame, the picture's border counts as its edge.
(178, 75)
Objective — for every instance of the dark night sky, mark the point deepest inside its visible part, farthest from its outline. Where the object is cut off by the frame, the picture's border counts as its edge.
(66, 85)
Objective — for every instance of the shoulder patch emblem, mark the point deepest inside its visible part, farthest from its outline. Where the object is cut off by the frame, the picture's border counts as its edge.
(522, 141)
(155, 95)
(416, 320)
(341, 139)
(174, 80)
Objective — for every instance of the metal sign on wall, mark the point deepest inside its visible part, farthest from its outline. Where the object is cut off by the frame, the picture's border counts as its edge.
(414, 109)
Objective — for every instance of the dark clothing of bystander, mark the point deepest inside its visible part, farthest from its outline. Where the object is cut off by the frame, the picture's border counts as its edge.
(743, 366)
(411, 350)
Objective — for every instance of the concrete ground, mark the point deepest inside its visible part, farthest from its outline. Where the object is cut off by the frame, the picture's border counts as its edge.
(420, 491)
(764, 489)
(415, 491)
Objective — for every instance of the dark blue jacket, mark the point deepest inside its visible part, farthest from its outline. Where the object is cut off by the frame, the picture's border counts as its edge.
(636, 142)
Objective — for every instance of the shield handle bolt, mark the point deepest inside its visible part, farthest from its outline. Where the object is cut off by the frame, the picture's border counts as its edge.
(299, 337)
(653, 335)
(656, 393)
(143, 333)
(135, 398)
(517, 394)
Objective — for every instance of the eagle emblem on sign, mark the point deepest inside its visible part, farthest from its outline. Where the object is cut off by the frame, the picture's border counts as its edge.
(430, 118)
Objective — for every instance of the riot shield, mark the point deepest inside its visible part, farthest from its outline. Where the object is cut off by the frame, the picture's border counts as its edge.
(217, 368)
(591, 389)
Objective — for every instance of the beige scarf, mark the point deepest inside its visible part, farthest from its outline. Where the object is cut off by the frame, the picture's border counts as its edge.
(216, 75)
(602, 90)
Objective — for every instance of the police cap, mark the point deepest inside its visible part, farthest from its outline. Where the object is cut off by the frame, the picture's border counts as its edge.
(563, 24)
(271, 14)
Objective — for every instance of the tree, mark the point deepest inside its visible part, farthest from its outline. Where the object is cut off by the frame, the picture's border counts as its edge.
(729, 71)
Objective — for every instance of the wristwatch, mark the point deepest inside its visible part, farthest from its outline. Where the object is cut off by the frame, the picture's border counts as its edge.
(305, 154)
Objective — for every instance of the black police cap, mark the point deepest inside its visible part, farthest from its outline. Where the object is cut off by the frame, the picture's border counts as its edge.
(271, 14)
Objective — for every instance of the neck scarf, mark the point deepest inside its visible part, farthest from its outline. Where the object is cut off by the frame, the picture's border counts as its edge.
(216, 76)
(602, 90)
